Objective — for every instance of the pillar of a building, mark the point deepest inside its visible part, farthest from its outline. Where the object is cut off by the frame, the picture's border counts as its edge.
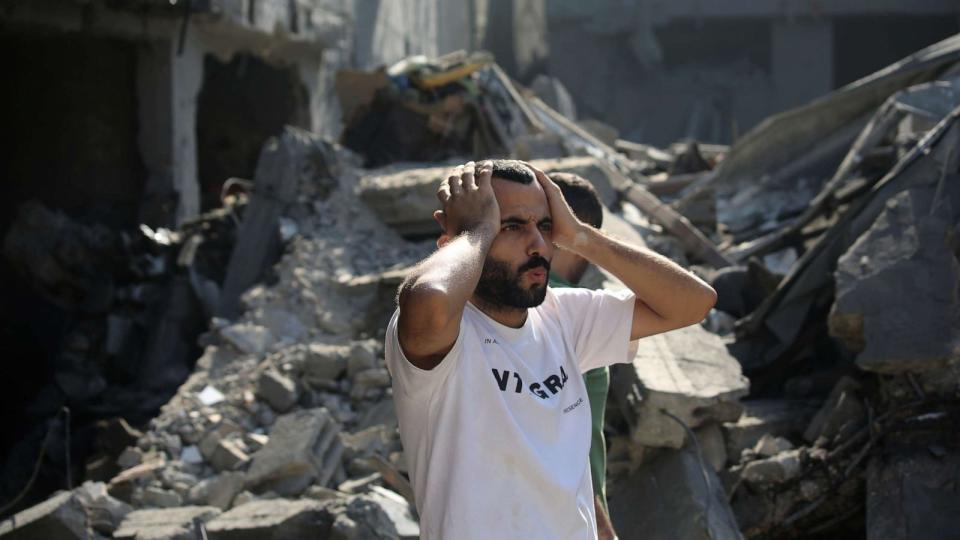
(168, 84)
(801, 60)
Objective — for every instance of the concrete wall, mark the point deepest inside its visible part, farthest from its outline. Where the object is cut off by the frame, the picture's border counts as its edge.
(663, 70)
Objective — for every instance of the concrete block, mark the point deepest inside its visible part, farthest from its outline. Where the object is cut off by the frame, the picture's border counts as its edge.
(673, 497)
(277, 390)
(228, 456)
(271, 519)
(164, 524)
(325, 362)
(896, 289)
(303, 449)
(60, 516)
(687, 372)
(161, 498)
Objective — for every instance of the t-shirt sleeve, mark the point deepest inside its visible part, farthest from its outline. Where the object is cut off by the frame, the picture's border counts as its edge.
(598, 323)
(409, 381)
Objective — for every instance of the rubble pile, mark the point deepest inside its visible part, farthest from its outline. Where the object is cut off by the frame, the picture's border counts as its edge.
(820, 397)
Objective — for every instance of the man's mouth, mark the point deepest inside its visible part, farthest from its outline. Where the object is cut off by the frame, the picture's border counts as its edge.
(538, 274)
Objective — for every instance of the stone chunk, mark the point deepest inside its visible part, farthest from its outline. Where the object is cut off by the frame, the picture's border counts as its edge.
(161, 498)
(841, 414)
(277, 390)
(673, 497)
(768, 445)
(60, 516)
(104, 511)
(913, 494)
(325, 362)
(303, 449)
(250, 339)
(228, 456)
(687, 372)
(777, 417)
(896, 289)
(271, 519)
(218, 491)
(398, 510)
(165, 524)
(774, 469)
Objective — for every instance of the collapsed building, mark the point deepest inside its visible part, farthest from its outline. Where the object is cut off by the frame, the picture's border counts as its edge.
(819, 399)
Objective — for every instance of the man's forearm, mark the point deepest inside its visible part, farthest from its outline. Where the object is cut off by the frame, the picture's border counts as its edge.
(668, 290)
(452, 272)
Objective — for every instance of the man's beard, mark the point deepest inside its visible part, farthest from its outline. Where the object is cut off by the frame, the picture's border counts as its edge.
(500, 287)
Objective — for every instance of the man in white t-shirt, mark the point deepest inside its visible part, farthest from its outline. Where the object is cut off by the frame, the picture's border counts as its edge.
(486, 359)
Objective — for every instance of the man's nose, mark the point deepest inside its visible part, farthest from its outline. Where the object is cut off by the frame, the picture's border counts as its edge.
(537, 244)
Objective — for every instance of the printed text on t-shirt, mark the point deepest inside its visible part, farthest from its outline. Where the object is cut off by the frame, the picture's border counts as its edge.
(553, 383)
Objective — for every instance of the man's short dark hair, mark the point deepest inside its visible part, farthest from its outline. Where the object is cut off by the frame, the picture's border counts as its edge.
(581, 196)
(513, 170)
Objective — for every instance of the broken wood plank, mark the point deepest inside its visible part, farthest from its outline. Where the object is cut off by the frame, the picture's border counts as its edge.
(676, 224)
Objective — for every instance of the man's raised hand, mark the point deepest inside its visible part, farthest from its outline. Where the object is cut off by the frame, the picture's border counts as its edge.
(566, 226)
(468, 202)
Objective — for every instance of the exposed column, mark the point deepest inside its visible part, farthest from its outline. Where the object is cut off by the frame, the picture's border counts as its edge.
(167, 88)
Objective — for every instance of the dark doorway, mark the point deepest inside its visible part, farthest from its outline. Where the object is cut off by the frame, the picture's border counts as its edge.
(242, 103)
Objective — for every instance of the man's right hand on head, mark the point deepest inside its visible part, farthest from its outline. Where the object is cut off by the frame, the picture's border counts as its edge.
(468, 202)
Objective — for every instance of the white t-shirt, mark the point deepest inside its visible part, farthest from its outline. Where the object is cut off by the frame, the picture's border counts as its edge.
(496, 437)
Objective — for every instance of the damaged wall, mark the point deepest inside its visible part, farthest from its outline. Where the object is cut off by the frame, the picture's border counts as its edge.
(662, 71)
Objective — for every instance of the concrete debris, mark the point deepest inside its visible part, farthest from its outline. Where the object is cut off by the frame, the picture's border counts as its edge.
(104, 512)
(166, 524)
(913, 494)
(303, 449)
(841, 414)
(844, 210)
(687, 373)
(279, 391)
(674, 496)
(60, 516)
(774, 469)
(894, 321)
(762, 418)
(277, 518)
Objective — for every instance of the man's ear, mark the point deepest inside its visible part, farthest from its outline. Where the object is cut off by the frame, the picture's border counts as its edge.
(441, 219)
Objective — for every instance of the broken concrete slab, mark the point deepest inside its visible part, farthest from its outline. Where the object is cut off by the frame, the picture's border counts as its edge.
(673, 497)
(405, 195)
(60, 516)
(686, 372)
(271, 519)
(165, 524)
(219, 490)
(303, 449)
(913, 494)
(105, 512)
(897, 298)
(776, 417)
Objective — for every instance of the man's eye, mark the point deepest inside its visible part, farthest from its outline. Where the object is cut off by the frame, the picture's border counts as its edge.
(511, 227)
(546, 227)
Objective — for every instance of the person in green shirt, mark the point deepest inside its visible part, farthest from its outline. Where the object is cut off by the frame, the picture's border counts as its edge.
(566, 270)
